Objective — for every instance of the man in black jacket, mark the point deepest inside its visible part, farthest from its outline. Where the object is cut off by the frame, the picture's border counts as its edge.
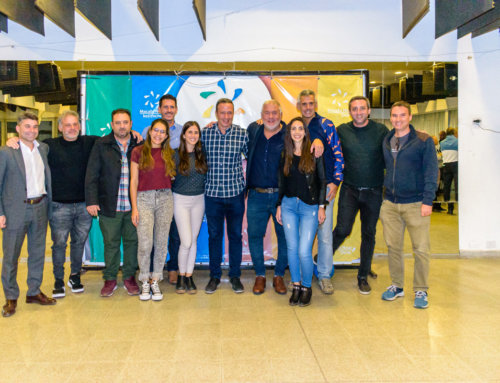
(107, 195)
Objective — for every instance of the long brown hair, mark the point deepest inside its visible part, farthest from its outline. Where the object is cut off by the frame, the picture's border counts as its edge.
(306, 164)
(146, 161)
(200, 163)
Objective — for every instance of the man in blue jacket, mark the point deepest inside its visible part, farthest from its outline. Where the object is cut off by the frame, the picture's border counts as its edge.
(323, 129)
(449, 148)
(410, 187)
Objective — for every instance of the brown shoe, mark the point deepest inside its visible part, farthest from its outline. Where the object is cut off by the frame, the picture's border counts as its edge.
(9, 308)
(279, 285)
(172, 277)
(260, 285)
(41, 299)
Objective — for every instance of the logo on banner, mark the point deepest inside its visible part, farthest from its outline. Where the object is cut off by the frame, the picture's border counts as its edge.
(150, 107)
(339, 103)
(221, 84)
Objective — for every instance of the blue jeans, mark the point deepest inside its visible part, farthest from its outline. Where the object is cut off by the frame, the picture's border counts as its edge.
(325, 253)
(232, 209)
(68, 218)
(300, 222)
(260, 206)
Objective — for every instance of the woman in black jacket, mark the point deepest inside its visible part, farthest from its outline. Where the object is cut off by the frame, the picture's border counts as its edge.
(301, 206)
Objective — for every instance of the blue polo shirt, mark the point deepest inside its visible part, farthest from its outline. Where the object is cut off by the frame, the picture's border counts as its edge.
(266, 161)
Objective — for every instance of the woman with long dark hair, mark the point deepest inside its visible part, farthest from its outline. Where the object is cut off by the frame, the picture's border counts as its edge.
(189, 201)
(301, 206)
(151, 170)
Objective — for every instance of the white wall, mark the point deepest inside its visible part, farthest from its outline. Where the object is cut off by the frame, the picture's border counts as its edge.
(313, 30)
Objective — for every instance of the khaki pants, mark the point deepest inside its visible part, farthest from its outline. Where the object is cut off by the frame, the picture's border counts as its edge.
(395, 218)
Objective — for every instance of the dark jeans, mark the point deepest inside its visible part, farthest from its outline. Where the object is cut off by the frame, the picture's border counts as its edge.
(68, 219)
(174, 242)
(232, 209)
(116, 230)
(450, 173)
(261, 206)
(367, 202)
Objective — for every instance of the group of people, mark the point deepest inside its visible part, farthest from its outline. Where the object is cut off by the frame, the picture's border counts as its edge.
(142, 188)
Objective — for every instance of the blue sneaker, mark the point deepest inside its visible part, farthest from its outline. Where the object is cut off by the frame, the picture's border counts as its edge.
(420, 300)
(392, 293)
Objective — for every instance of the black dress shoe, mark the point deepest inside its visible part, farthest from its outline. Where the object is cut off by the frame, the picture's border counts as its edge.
(180, 287)
(236, 285)
(41, 299)
(9, 308)
(305, 296)
(294, 298)
(212, 285)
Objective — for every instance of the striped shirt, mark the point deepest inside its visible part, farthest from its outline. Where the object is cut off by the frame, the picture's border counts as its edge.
(225, 168)
(123, 202)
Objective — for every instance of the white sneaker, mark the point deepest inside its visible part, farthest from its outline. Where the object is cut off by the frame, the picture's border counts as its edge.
(145, 292)
(157, 295)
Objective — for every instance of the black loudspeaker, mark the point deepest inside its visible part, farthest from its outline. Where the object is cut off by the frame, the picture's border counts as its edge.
(406, 89)
(50, 78)
(8, 70)
(394, 93)
(445, 79)
(379, 96)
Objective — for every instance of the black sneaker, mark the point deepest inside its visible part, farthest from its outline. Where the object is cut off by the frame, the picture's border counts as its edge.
(59, 290)
(212, 285)
(75, 284)
(363, 286)
(236, 285)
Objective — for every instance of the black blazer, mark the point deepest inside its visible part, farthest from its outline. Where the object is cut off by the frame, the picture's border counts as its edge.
(102, 179)
(316, 182)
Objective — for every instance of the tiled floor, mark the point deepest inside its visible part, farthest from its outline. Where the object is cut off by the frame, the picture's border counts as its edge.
(226, 337)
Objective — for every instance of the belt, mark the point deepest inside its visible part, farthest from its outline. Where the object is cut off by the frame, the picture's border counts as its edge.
(34, 201)
(266, 190)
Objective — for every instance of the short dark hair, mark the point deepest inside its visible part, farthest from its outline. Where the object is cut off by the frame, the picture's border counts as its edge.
(121, 110)
(27, 116)
(223, 101)
(359, 98)
(404, 104)
(167, 97)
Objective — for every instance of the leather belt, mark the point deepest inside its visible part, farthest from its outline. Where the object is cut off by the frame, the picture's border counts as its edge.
(266, 190)
(34, 201)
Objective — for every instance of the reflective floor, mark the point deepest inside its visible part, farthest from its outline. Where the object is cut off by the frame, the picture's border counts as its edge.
(224, 337)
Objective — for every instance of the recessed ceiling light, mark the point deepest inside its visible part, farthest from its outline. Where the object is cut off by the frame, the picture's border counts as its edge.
(398, 72)
(373, 82)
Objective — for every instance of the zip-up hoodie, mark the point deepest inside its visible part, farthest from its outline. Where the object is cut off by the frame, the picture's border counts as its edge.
(412, 176)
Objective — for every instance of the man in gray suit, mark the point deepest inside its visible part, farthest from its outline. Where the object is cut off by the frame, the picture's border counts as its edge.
(25, 195)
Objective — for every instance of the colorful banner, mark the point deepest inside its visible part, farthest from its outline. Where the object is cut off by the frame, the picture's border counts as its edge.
(196, 98)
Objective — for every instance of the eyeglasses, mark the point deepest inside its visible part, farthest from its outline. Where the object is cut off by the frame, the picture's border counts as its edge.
(160, 131)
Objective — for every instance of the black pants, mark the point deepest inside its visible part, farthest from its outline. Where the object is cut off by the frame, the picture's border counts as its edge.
(367, 202)
(450, 173)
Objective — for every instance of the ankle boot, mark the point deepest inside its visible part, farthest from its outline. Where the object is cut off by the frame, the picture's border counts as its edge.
(294, 298)
(451, 207)
(180, 287)
(190, 286)
(305, 296)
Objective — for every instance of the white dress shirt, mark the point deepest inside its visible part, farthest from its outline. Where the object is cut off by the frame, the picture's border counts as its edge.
(35, 170)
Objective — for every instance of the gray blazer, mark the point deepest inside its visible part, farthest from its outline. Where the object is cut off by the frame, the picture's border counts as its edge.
(13, 190)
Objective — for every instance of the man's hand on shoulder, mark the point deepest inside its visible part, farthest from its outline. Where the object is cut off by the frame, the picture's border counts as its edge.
(137, 136)
(13, 142)
(317, 147)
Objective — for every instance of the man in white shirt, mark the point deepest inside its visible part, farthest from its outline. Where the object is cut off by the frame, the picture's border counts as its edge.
(25, 196)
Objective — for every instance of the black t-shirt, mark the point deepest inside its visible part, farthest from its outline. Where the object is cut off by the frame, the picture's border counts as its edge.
(363, 156)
